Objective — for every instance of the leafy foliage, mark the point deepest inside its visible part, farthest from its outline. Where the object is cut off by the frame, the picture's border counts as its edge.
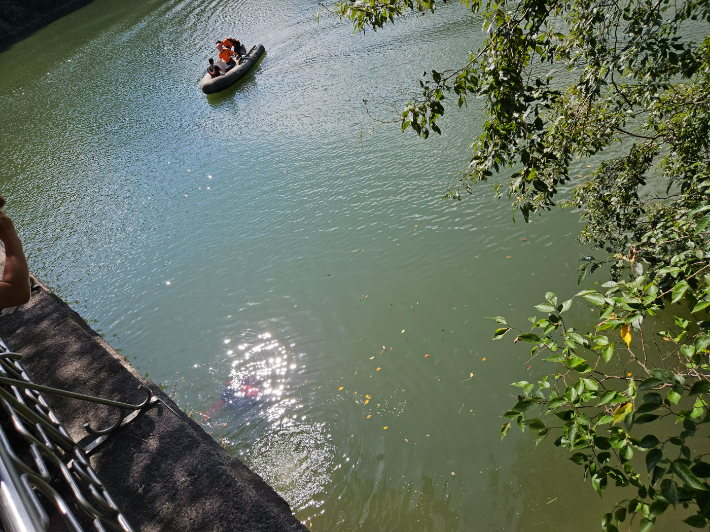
(562, 82)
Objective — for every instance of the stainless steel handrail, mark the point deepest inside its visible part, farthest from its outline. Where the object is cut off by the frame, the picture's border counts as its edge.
(41, 459)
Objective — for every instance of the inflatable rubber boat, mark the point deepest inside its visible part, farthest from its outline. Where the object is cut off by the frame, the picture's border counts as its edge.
(210, 85)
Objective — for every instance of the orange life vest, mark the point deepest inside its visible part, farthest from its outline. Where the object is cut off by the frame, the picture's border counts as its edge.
(225, 55)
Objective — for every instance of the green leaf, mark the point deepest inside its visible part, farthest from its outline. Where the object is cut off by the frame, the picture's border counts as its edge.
(652, 458)
(608, 352)
(499, 319)
(594, 297)
(653, 397)
(576, 338)
(599, 483)
(687, 476)
(702, 224)
(679, 290)
(649, 384)
(622, 411)
(702, 343)
(500, 333)
(541, 435)
(687, 350)
(606, 397)
(579, 458)
(657, 508)
(647, 524)
(549, 309)
(657, 474)
(645, 418)
(673, 396)
(524, 405)
(555, 403)
(648, 442)
(589, 384)
(669, 490)
(504, 430)
(529, 337)
(666, 375)
(701, 469)
(535, 424)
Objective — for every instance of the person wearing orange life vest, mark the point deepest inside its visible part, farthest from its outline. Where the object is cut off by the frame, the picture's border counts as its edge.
(226, 56)
(238, 47)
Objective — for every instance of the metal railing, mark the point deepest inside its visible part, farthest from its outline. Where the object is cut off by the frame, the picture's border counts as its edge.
(45, 476)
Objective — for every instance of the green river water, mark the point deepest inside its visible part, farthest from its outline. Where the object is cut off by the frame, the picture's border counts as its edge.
(276, 231)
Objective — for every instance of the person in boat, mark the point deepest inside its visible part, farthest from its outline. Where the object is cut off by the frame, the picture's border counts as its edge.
(232, 44)
(226, 56)
(238, 47)
(213, 70)
(243, 392)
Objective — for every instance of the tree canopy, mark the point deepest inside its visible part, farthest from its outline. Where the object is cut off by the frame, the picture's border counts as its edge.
(564, 81)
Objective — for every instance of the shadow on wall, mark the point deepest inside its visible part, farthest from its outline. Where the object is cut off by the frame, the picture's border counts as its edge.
(21, 18)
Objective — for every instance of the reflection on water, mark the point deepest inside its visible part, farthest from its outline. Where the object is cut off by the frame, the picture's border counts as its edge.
(261, 417)
(257, 391)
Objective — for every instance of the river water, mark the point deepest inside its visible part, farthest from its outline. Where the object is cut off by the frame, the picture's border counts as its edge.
(277, 231)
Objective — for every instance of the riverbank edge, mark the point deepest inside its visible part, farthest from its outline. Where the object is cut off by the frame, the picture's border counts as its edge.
(34, 19)
(163, 470)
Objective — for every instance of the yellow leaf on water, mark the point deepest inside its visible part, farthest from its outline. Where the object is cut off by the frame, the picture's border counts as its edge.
(368, 396)
(378, 369)
(372, 357)
(367, 401)
(339, 389)
(626, 334)
(369, 416)
(402, 330)
(483, 359)
(385, 428)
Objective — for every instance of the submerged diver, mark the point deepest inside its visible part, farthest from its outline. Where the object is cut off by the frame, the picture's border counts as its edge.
(241, 392)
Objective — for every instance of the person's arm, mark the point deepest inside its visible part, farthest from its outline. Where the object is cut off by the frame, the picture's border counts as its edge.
(15, 284)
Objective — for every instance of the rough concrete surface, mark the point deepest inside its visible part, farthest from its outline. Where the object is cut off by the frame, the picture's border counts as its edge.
(163, 470)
